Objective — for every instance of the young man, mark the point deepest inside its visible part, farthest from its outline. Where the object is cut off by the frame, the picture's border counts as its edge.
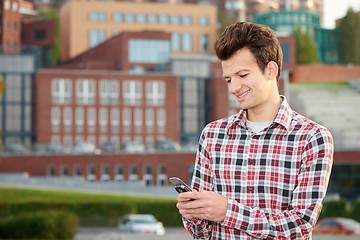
(262, 173)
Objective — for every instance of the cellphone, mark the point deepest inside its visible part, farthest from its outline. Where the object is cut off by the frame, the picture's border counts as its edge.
(179, 184)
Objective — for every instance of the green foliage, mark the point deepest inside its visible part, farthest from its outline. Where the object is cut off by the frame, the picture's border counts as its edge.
(306, 49)
(349, 38)
(92, 209)
(39, 225)
(334, 209)
(51, 13)
(37, 195)
(225, 20)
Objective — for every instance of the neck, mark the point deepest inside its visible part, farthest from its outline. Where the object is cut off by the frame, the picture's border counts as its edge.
(265, 112)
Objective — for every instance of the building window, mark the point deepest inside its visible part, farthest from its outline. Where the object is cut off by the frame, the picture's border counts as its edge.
(153, 18)
(91, 119)
(79, 119)
(187, 20)
(85, 91)
(187, 42)
(161, 177)
(103, 119)
(77, 171)
(39, 35)
(68, 142)
(109, 92)
(55, 119)
(133, 176)
(67, 119)
(97, 37)
(103, 139)
(175, 41)
(138, 120)
(91, 173)
(132, 93)
(161, 120)
(204, 42)
(129, 17)
(204, 20)
(119, 173)
(97, 16)
(61, 91)
(118, 17)
(175, 19)
(141, 18)
(155, 93)
(149, 120)
(91, 139)
(50, 171)
(150, 142)
(115, 119)
(64, 171)
(149, 51)
(105, 173)
(126, 120)
(147, 178)
(164, 19)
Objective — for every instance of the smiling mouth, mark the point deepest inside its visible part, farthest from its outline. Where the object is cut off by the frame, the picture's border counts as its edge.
(243, 95)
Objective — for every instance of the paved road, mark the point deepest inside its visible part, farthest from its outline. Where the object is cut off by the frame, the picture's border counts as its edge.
(171, 234)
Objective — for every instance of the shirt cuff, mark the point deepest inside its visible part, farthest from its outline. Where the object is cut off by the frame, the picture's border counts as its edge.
(237, 216)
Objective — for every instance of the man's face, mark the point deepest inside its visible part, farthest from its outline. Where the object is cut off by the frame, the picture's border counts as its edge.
(246, 82)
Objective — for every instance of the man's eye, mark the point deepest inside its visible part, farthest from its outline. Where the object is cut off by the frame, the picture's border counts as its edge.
(244, 75)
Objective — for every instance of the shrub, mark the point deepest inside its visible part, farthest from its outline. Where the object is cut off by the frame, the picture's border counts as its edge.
(334, 209)
(39, 225)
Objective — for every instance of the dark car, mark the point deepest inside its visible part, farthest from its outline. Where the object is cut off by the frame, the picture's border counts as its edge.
(337, 225)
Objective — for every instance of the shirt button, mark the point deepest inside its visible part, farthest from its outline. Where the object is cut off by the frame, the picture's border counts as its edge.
(250, 189)
(251, 161)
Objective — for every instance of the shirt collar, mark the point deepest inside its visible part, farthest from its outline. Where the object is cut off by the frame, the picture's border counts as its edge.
(283, 116)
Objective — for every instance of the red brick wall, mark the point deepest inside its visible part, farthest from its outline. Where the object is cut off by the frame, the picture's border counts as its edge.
(44, 101)
(326, 73)
(10, 35)
(28, 30)
(177, 164)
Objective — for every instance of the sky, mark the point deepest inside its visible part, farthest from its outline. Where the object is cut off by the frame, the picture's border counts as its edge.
(334, 9)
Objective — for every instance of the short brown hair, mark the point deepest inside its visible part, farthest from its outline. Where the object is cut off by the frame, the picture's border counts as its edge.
(259, 39)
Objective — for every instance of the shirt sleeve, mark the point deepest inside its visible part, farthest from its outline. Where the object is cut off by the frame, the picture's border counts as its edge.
(303, 211)
(202, 181)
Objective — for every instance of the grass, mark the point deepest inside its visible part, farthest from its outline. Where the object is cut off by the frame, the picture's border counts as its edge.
(19, 195)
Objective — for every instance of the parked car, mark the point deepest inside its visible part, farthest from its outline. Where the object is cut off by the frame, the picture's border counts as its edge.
(141, 223)
(337, 225)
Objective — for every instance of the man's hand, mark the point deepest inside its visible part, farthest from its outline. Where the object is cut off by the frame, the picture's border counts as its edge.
(206, 205)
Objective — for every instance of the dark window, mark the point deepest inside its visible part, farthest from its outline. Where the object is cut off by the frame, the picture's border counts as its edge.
(39, 35)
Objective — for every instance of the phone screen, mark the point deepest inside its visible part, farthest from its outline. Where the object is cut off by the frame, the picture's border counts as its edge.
(179, 185)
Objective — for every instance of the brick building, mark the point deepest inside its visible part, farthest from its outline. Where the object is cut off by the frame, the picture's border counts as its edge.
(110, 93)
(85, 24)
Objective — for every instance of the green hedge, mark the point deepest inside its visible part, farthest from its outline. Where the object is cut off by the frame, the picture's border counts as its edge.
(39, 225)
(100, 213)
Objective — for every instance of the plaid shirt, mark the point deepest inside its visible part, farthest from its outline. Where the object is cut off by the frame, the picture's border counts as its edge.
(275, 181)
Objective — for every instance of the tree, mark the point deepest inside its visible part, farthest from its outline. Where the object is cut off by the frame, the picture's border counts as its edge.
(51, 13)
(306, 49)
(225, 20)
(349, 38)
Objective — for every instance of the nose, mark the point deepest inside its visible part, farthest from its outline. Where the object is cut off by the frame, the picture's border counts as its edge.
(234, 85)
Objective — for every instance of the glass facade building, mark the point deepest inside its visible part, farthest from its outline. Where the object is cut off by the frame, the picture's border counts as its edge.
(17, 103)
(284, 23)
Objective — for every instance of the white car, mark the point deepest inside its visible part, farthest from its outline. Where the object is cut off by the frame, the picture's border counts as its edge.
(141, 223)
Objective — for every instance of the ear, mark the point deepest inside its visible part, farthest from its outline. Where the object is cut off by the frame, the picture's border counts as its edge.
(273, 69)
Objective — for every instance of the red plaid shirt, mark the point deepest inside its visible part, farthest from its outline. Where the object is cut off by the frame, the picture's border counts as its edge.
(275, 181)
